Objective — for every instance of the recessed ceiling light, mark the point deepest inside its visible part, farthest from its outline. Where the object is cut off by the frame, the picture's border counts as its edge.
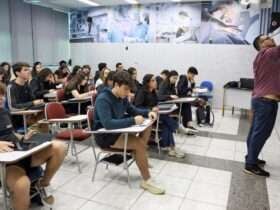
(176, 0)
(132, 1)
(91, 3)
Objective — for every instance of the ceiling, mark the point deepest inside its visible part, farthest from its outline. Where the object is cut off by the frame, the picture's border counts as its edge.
(67, 5)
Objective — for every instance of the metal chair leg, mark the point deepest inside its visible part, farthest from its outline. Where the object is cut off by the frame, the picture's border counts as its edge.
(95, 167)
(76, 156)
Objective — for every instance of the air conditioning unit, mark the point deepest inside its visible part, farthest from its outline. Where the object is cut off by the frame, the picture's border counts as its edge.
(247, 4)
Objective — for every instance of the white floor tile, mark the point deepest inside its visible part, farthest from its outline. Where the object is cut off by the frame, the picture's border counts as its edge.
(213, 176)
(159, 202)
(193, 149)
(118, 195)
(195, 205)
(179, 170)
(274, 202)
(240, 147)
(64, 201)
(221, 154)
(210, 193)
(174, 186)
(198, 141)
(83, 187)
(96, 206)
(222, 144)
(239, 156)
(62, 177)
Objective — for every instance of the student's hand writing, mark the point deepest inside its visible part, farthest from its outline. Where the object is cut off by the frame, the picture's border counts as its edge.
(152, 115)
(138, 120)
(6, 146)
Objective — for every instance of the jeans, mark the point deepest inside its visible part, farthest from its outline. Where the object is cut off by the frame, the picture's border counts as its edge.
(168, 127)
(264, 116)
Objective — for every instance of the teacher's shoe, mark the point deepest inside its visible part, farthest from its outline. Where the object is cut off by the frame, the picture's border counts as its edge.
(255, 170)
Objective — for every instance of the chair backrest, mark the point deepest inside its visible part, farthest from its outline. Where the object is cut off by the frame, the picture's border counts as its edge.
(90, 117)
(54, 110)
(60, 95)
(207, 84)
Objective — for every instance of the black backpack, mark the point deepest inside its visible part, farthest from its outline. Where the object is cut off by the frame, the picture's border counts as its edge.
(203, 115)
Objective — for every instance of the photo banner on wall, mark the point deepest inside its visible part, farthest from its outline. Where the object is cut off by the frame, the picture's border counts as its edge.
(210, 23)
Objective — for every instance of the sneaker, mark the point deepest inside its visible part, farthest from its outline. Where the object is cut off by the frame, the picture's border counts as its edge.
(177, 154)
(47, 200)
(184, 130)
(152, 187)
(261, 162)
(193, 129)
(255, 170)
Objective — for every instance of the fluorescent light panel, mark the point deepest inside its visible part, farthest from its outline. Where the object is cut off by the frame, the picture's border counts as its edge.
(91, 3)
(132, 1)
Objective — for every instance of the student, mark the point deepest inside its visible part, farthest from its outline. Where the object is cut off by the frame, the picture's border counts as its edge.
(108, 83)
(18, 182)
(101, 66)
(119, 67)
(3, 79)
(37, 67)
(7, 68)
(266, 96)
(74, 72)
(146, 97)
(86, 70)
(113, 111)
(21, 96)
(75, 89)
(61, 74)
(102, 77)
(185, 88)
(167, 91)
(163, 75)
(62, 63)
(42, 84)
(133, 73)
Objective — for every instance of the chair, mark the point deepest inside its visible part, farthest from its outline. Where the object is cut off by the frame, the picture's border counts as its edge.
(109, 154)
(209, 85)
(55, 110)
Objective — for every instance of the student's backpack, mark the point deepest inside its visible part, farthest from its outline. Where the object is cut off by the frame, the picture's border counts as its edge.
(203, 115)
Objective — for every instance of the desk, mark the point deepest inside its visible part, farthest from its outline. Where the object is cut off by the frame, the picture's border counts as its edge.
(180, 101)
(24, 114)
(236, 97)
(79, 101)
(13, 157)
(51, 95)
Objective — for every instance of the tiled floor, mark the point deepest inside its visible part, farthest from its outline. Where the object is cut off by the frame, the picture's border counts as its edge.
(207, 179)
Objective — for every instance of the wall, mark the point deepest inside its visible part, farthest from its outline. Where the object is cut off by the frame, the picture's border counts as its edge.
(218, 63)
(32, 33)
(5, 33)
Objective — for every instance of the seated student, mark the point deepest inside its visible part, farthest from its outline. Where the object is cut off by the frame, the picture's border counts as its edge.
(133, 73)
(163, 75)
(108, 82)
(21, 96)
(3, 78)
(42, 84)
(74, 72)
(113, 111)
(101, 66)
(185, 87)
(61, 74)
(87, 70)
(119, 67)
(75, 89)
(7, 68)
(17, 180)
(37, 67)
(102, 77)
(146, 97)
(167, 91)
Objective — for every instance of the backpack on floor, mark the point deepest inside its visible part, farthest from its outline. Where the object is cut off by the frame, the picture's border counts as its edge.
(203, 115)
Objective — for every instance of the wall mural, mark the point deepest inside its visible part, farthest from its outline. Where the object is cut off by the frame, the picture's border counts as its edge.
(215, 23)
